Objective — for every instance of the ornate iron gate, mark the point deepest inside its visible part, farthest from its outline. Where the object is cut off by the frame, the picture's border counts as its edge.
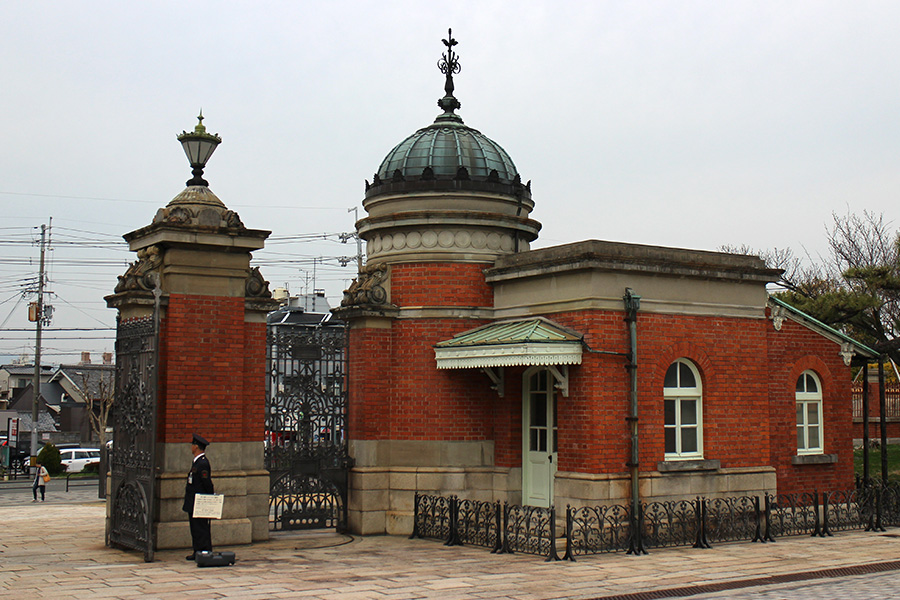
(132, 488)
(306, 442)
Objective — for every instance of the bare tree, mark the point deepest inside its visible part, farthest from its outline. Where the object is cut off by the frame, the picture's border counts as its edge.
(856, 288)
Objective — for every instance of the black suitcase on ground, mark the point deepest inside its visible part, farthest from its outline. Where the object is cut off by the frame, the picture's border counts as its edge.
(214, 559)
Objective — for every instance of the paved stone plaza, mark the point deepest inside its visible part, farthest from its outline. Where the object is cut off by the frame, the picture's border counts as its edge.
(55, 550)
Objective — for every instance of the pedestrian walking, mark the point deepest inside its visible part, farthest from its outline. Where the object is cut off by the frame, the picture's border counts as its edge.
(41, 477)
(199, 481)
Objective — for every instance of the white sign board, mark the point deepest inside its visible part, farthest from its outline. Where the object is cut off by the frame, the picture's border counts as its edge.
(208, 506)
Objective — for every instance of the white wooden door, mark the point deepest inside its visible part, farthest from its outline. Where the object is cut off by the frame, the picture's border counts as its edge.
(538, 437)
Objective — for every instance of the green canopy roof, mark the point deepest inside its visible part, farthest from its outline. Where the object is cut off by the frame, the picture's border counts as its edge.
(533, 341)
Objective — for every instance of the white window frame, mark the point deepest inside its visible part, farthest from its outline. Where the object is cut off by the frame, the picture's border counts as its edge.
(804, 400)
(680, 395)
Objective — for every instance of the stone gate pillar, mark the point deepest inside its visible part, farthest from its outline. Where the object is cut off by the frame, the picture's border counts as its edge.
(211, 358)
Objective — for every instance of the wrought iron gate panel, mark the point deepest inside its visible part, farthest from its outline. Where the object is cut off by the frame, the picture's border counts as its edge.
(306, 441)
(132, 488)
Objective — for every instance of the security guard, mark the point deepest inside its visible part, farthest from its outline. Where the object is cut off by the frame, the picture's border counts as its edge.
(199, 481)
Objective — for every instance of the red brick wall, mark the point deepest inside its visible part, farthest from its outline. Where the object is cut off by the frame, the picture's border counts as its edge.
(369, 381)
(791, 351)
(748, 373)
(440, 284)
(396, 391)
(212, 371)
(594, 434)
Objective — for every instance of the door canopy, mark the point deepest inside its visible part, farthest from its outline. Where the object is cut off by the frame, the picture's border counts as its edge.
(523, 342)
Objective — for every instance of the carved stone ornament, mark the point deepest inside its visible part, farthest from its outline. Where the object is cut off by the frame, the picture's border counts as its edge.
(199, 217)
(367, 288)
(256, 286)
(778, 317)
(198, 206)
(847, 353)
(141, 274)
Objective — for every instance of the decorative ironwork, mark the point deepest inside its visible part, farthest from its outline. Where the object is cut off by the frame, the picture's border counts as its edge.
(134, 436)
(731, 519)
(890, 505)
(845, 510)
(596, 529)
(131, 519)
(674, 523)
(792, 514)
(478, 523)
(449, 66)
(530, 530)
(305, 502)
(605, 529)
(432, 517)
(306, 443)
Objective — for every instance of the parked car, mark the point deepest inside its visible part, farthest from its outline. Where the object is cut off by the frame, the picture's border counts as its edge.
(76, 459)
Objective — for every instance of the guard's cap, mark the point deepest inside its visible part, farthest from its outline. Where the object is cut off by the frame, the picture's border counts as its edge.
(198, 439)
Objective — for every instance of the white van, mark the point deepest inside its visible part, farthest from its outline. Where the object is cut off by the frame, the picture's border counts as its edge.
(76, 459)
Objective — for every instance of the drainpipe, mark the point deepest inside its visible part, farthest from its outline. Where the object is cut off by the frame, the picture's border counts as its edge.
(632, 305)
(882, 421)
(865, 409)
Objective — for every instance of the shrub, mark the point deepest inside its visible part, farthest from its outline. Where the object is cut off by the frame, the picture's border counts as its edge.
(50, 458)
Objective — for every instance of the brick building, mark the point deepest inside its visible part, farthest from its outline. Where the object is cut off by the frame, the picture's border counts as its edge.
(481, 367)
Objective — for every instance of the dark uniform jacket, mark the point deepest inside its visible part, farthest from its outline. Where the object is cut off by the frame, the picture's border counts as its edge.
(199, 481)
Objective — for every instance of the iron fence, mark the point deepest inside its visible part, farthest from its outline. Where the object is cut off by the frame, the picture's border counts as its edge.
(891, 401)
(676, 523)
(478, 523)
(530, 530)
(792, 514)
(597, 529)
(510, 528)
(504, 528)
(733, 519)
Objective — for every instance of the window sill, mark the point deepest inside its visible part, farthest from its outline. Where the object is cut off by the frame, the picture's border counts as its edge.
(682, 466)
(814, 459)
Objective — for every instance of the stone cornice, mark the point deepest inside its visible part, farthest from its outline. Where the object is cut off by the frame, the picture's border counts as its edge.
(622, 257)
(168, 234)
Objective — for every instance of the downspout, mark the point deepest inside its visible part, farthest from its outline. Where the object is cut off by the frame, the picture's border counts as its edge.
(632, 305)
(865, 409)
(882, 422)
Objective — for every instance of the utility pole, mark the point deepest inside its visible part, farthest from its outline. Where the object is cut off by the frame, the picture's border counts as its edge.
(39, 323)
(346, 236)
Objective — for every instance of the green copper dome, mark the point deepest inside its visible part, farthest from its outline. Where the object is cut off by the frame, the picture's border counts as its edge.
(445, 146)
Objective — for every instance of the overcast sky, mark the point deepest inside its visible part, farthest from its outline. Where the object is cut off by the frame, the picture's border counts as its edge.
(687, 124)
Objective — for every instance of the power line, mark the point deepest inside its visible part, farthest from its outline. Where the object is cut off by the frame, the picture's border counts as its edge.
(17, 329)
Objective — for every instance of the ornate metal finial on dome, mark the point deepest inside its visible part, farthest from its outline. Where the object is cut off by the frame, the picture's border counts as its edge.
(449, 66)
(198, 146)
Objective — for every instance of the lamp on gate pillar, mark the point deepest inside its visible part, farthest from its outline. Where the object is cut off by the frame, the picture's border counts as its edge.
(198, 146)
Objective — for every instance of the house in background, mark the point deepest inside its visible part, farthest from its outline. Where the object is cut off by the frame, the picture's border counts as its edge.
(84, 387)
(14, 377)
(67, 394)
(589, 373)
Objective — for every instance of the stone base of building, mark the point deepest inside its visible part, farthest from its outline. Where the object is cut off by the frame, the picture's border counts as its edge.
(382, 498)
(238, 473)
(681, 483)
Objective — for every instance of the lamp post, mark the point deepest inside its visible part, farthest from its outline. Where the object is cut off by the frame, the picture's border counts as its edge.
(198, 146)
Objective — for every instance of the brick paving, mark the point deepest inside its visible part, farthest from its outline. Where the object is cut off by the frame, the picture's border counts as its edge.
(55, 550)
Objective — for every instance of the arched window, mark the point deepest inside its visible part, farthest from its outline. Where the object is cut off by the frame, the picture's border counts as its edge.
(682, 392)
(809, 414)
